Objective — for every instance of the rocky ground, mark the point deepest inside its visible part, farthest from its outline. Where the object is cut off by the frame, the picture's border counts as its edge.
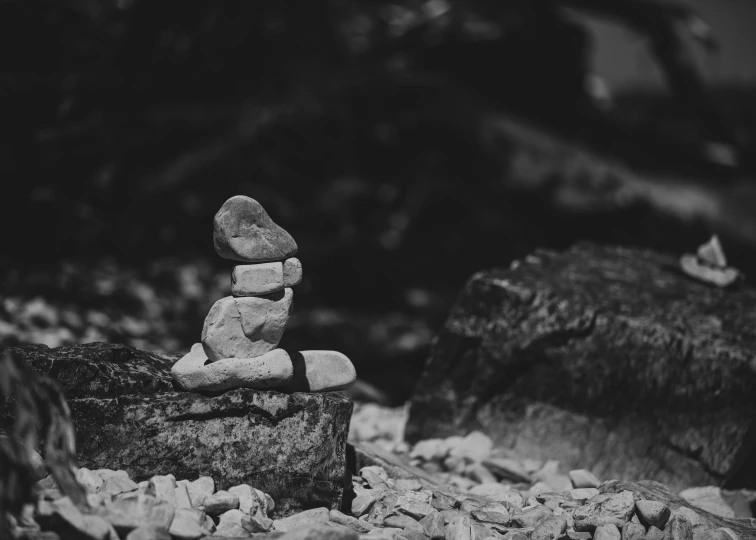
(459, 488)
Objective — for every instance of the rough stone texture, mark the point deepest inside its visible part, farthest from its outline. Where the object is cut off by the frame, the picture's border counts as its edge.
(654, 491)
(253, 279)
(270, 370)
(292, 272)
(243, 231)
(321, 371)
(604, 358)
(100, 369)
(246, 327)
(291, 446)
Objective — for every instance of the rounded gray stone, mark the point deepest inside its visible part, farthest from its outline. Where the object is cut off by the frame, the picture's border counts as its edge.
(243, 231)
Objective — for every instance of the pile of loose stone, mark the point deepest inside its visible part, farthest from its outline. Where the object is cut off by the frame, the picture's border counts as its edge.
(241, 332)
(497, 500)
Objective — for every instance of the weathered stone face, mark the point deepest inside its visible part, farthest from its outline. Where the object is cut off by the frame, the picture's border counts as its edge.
(606, 356)
(128, 416)
(243, 231)
(246, 327)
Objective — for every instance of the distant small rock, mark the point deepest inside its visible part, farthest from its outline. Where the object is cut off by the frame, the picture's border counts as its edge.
(583, 478)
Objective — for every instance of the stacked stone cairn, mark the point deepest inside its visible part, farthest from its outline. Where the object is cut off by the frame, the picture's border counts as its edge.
(242, 331)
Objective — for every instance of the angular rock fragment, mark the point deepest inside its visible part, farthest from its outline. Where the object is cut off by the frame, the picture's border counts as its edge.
(492, 513)
(678, 528)
(434, 525)
(246, 327)
(320, 371)
(441, 501)
(415, 504)
(292, 272)
(256, 523)
(403, 521)
(251, 500)
(307, 517)
(353, 523)
(270, 370)
(509, 469)
(243, 231)
(654, 534)
(552, 528)
(500, 493)
(531, 517)
(459, 529)
(257, 279)
(200, 489)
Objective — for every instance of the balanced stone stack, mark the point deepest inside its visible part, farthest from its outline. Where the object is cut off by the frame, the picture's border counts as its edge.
(241, 332)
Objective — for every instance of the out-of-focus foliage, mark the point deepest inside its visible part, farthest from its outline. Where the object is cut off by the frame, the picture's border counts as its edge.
(38, 403)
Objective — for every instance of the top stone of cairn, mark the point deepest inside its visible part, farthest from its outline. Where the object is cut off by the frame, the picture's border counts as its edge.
(243, 231)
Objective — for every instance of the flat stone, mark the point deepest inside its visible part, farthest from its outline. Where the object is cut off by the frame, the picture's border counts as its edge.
(507, 468)
(220, 502)
(482, 370)
(320, 371)
(583, 493)
(531, 517)
(492, 513)
(583, 478)
(678, 528)
(552, 528)
(116, 482)
(193, 373)
(136, 510)
(607, 531)
(247, 326)
(382, 508)
(415, 504)
(403, 521)
(652, 513)
(363, 501)
(243, 231)
(708, 498)
(256, 279)
(301, 519)
(292, 272)
(353, 523)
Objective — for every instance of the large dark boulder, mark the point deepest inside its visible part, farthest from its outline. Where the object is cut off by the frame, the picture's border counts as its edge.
(604, 358)
(128, 416)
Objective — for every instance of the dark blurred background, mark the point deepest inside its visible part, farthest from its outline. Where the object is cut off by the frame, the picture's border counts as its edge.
(405, 145)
